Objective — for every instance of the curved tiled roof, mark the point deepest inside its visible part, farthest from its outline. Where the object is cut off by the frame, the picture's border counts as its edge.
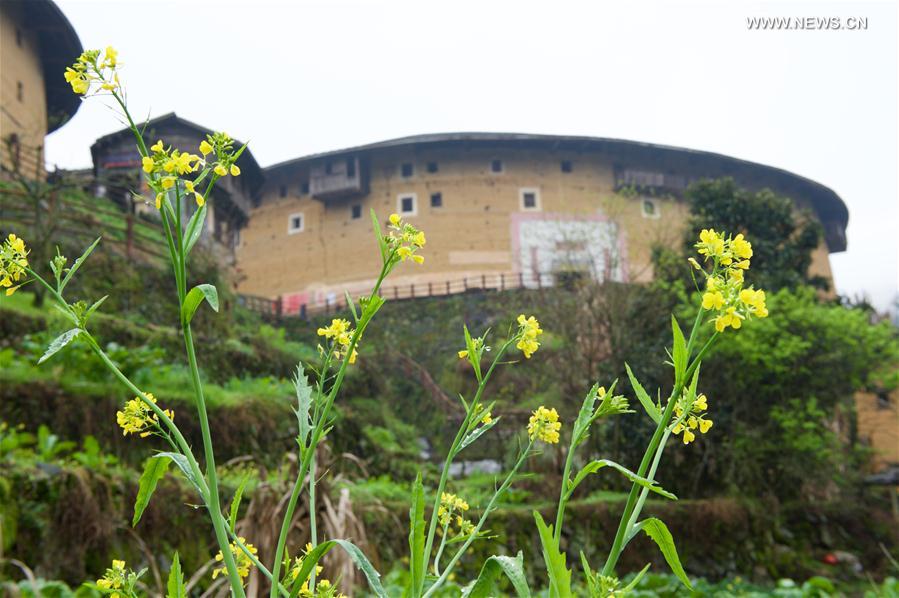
(59, 47)
(830, 208)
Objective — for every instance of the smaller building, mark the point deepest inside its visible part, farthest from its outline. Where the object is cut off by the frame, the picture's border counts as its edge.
(118, 175)
(37, 42)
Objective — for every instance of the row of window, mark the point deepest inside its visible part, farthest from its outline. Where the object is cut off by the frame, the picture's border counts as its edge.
(407, 205)
(407, 170)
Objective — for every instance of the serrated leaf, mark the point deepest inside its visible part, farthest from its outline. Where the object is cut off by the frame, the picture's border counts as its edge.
(58, 343)
(175, 586)
(559, 573)
(154, 469)
(643, 396)
(194, 229)
(417, 536)
(376, 226)
(678, 350)
(584, 416)
(494, 566)
(235, 504)
(304, 404)
(595, 466)
(195, 297)
(362, 563)
(658, 531)
(77, 265)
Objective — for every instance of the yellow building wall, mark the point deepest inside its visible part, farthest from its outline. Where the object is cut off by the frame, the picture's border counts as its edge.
(470, 235)
(878, 427)
(22, 97)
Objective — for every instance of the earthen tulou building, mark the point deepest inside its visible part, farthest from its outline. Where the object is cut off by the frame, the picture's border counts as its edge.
(37, 42)
(499, 210)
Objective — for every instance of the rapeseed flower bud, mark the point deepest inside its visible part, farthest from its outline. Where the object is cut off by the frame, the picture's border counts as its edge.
(404, 240)
(688, 423)
(544, 425)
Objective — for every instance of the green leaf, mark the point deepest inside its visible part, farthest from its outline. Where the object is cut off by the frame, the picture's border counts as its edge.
(77, 265)
(181, 463)
(175, 586)
(235, 504)
(493, 567)
(194, 229)
(58, 343)
(417, 536)
(195, 297)
(376, 226)
(584, 417)
(595, 466)
(471, 437)
(304, 404)
(559, 573)
(658, 531)
(643, 396)
(358, 557)
(633, 584)
(90, 310)
(679, 350)
(154, 469)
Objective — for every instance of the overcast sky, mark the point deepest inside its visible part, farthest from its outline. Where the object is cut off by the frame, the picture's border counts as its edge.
(302, 77)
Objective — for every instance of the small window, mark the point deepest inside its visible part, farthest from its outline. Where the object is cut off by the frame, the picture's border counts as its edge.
(436, 200)
(356, 212)
(282, 191)
(329, 168)
(295, 224)
(20, 91)
(649, 208)
(883, 401)
(565, 166)
(350, 168)
(496, 166)
(407, 170)
(407, 204)
(530, 199)
(304, 188)
(433, 167)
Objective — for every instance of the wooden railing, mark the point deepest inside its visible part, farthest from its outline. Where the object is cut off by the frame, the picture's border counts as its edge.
(282, 307)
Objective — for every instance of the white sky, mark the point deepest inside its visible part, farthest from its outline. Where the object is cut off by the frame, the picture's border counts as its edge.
(301, 77)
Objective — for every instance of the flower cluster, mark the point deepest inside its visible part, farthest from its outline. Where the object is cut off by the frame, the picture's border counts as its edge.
(118, 581)
(478, 344)
(165, 165)
(241, 559)
(138, 418)
(450, 503)
(691, 417)
(528, 331)
(323, 587)
(340, 334)
(724, 291)
(90, 69)
(404, 240)
(13, 261)
(544, 425)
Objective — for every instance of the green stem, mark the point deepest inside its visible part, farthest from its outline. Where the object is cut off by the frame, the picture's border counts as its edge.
(318, 430)
(441, 547)
(253, 559)
(460, 435)
(212, 503)
(474, 534)
(312, 530)
(563, 492)
(619, 541)
(651, 476)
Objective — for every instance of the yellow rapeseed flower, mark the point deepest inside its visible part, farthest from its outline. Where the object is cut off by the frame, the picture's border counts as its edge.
(205, 147)
(148, 164)
(235, 170)
(13, 263)
(220, 170)
(241, 559)
(712, 300)
(157, 147)
(137, 417)
(544, 425)
(528, 331)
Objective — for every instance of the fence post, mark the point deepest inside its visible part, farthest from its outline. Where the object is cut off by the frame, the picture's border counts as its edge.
(129, 234)
(429, 289)
(396, 292)
(447, 287)
(484, 281)
(465, 283)
(279, 307)
(412, 290)
(539, 280)
(521, 280)
(303, 312)
(502, 281)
